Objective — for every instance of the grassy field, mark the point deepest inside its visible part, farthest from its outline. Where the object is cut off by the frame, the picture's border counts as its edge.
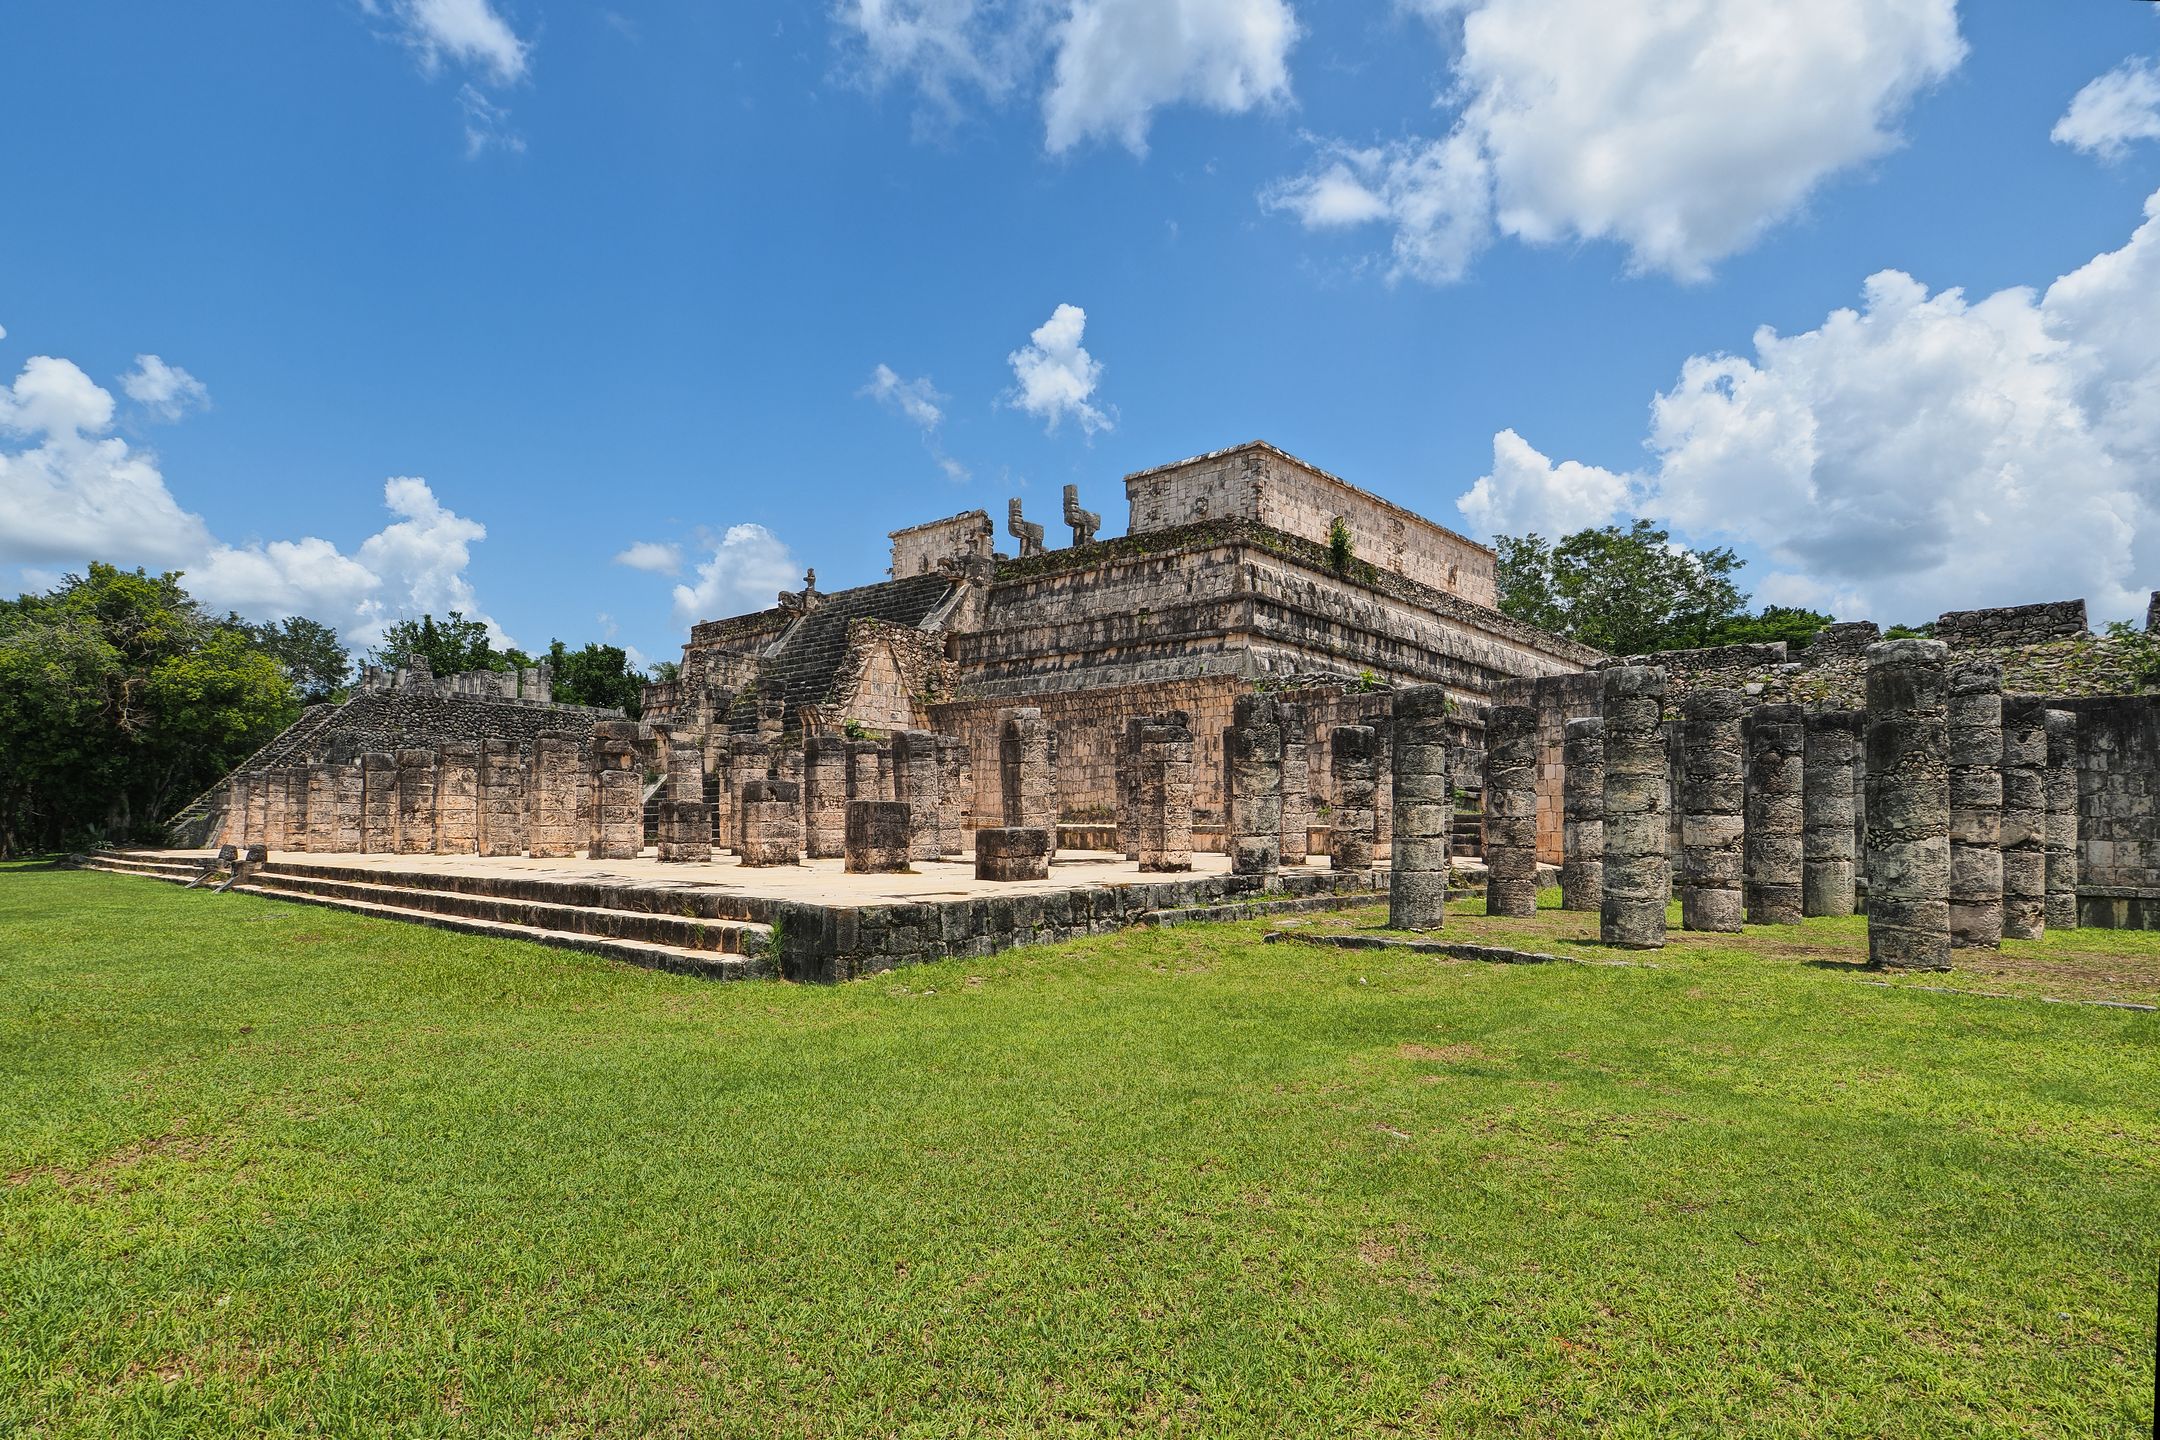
(274, 1169)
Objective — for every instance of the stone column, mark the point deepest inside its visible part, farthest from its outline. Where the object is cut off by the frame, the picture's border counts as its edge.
(297, 835)
(825, 796)
(378, 803)
(1973, 716)
(1252, 786)
(552, 831)
(875, 837)
(1712, 810)
(1908, 805)
(258, 815)
(1027, 772)
(1582, 800)
(2062, 820)
(787, 765)
(1829, 847)
(1638, 882)
(1129, 776)
(771, 821)
(1012, 852)
(1424, 811)
(233, 830)
(2024, 817)
(1776, 813)
(1296, 783)
(916, 777)
(457, 799)
(502, 798)
(322, 783)
(1511, 756)
(416, 802)
(869, 771)
(685, 832)
(618, 793)
(347, 797)
(1351, 828)
(1163, 798)
(720, 791)
(956, 794)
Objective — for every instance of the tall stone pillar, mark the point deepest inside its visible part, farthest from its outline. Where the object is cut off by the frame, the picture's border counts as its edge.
(719, 790)
(503, 801)
(869, 771)
(1582, 810)
(771, 822)
(1129, 769)
(685, 773)
(457, 799)
(1776, 813)
(618, 793)
(1713, 820)
(1908, 805)
(416, 802)
(956, 794)
(1296, 782)
(1423, 817)
(298, 835)
(1163, 796)
(323, 817)
(874, 837)
(258, 813)
(2062, 820)
(347, 796)
(1252, 766)
(1829, 837)
(2024, 817)
(1350, 828)
(1638, 882)
(552, 829)
(1973, 715)
(1511, 764)
(1027, 772)
(825, 796)
(233, 828)
(917, 776)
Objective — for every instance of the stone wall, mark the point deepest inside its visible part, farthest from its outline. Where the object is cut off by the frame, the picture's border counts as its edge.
(2012, 625)
(1557, 700)
(394, 720)
(919, 549)
(2118, 741)
(1260, 483)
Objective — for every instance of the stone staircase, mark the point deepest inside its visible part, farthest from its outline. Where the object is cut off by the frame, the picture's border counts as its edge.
(683, 931)
(185, 824)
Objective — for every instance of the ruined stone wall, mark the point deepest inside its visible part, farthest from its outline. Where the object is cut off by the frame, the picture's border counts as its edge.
(2012, 625)
(391, 720)
(2118, 740)
(1260, 483)
(1557, 700)
(919, 549)
(888, 677)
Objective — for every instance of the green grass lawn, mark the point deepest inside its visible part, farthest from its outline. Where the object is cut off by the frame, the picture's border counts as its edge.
(274, 1169)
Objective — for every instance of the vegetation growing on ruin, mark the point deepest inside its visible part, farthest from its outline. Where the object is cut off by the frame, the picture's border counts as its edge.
(380, 1179)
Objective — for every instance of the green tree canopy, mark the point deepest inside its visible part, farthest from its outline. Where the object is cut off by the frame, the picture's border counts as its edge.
(1796, 627)
(120, 700)
(1624, 591)
(452, 646)
(596, 675)
(314, 660)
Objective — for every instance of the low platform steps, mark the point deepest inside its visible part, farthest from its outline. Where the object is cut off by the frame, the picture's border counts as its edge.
(703, 945)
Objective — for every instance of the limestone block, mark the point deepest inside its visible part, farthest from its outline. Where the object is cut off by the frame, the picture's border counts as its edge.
(1829, 805)
(1638, 882)
(1012, 852)
(1582, 867)
(1424, 810)
(1908, 805)
(1777, 750)
(877, 837)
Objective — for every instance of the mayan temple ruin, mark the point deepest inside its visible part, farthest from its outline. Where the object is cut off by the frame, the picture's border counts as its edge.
(1274, 688)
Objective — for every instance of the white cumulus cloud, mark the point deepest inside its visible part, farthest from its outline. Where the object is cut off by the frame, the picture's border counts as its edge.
(748, 567)
(1680, 129)
(1925, 451)
(1526, 493)
(2119, 107)
(472, 36)
(655, 557)
(1104, 67)
(1055, 375)
(73, 492)
(165, 389)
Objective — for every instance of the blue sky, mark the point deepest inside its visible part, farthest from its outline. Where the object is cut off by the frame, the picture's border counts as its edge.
(469, 302)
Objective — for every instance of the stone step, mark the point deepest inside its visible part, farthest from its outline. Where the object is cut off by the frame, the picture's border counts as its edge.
(147, 869)
(677, 932)
(704, 964)
(688, 900)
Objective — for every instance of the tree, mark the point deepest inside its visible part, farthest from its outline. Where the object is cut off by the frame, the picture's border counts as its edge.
(1626, 592)
(1796, 627)
(451, 646)
(596, 675)
(120, 700)
(314, 660)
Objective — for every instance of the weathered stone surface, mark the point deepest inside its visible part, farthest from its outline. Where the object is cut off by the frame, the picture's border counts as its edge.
(1163, 796)
(1012, 852)
(1776, 813)
(919, 784)
(1128, 785)
(1830, 802)
(825, 795)
(1027, 772)
(2062, 820)
(321, 782)
(877, 837)
(1713, 820)
(1908, 805)
(288, 795)
(771, 822)
(2024, 820)
(1511, 733)
(1296, 783)
(1638, 882)
(504, 803)
(258, 802)
(347, 798)
(416, 802)
(685, 832)
(552, 790)
(956, 787)
(1351, 827)
(618, 818)
(1582, 868)
(1424, 811)
(1973, 718)
(233, 829)
(1252, 760)
(457, 798)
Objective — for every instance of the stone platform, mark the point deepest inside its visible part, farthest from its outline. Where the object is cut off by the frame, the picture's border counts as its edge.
(811, 921)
